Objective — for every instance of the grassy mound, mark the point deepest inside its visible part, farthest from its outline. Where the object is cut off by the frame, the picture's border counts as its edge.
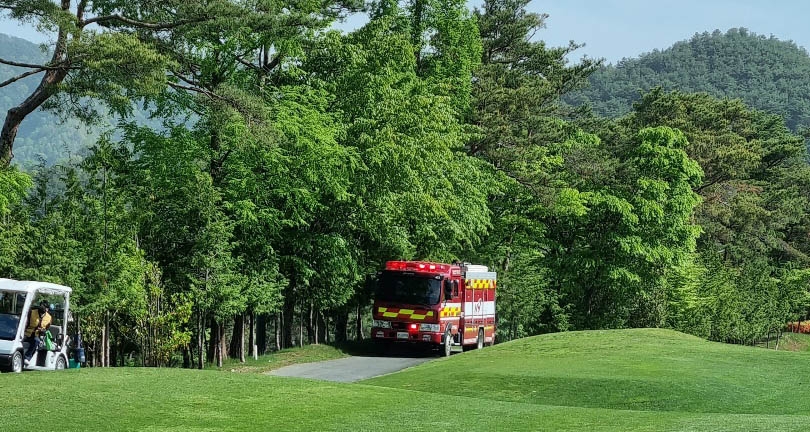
(649, 370)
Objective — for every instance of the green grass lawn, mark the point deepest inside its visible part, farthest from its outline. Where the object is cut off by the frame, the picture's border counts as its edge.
(636, 380)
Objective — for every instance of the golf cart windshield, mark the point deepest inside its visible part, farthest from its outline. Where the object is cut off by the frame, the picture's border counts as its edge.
(11, 307)
(409, 288)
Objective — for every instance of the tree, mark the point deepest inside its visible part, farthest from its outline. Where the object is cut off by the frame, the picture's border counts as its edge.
(752, 213)
(115, 66)
(520, 129)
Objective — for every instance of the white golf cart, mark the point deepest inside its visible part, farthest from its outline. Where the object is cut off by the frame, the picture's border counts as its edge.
(16, 300)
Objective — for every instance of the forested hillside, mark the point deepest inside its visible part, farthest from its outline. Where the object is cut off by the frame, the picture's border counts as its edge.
(766, 73)
(433, 132)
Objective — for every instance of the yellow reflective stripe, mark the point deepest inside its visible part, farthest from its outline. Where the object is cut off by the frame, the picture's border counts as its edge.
(410, 312)
(479, 283)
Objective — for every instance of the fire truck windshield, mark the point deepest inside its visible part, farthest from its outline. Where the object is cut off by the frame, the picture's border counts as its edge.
(408, 289)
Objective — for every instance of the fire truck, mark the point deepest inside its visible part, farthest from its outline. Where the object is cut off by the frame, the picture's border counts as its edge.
(434, 304)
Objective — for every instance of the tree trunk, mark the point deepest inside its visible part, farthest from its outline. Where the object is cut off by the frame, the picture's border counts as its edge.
(359, 330)
(288, 314)
(311, 326)
(778, 338)
(200, 341)
(261, 333)
(237, 346)
(341, 325)
(301, 329)
(277, 330)
(317, 318)
(187, 357)
(242, 340)
(213, 341)
(106, 341)
(252, 339)
(323, 331)
(221, 351)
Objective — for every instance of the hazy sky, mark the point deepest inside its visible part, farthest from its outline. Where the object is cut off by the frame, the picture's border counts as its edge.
(614, 29)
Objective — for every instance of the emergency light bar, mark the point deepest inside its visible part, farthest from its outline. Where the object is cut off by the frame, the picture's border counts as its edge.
(416, 266)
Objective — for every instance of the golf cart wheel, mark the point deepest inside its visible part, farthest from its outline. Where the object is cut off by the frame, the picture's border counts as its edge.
(16, 362)
(60, 363)
(480, 344)
(448, 343)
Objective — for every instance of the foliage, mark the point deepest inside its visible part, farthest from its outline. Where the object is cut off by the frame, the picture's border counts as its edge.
(754, 202)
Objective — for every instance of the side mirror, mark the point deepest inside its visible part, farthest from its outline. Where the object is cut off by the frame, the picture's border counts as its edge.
(448, 289)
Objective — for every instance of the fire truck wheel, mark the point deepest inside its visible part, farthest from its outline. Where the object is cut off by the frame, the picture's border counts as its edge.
(480, 344)
(448, 343)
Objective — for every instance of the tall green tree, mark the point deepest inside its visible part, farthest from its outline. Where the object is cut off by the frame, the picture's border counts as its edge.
(521, 130)
(752, 213)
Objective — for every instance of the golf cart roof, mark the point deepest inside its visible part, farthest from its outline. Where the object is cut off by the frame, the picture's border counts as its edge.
(31, 286)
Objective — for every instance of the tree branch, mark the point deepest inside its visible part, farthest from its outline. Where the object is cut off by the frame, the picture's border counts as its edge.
(81, 7)
(246, 63)
(267, 68)
(21, 76)
(208, 93)
(34, 66)
(135, 23)
(189, 81)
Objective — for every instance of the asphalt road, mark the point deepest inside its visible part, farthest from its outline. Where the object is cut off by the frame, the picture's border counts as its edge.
(349, 369)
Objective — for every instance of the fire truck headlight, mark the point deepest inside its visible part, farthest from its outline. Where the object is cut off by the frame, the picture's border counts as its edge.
(429, 328)
(381, 324)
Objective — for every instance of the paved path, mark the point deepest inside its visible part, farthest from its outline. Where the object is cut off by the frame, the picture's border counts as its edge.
(349, 369)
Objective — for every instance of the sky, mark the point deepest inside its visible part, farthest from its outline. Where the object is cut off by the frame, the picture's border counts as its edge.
(615, 29)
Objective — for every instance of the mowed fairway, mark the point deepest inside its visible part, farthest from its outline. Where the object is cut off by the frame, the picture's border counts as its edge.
(648, 380)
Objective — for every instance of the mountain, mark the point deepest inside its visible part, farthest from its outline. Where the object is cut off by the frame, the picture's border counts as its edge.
(766, 73)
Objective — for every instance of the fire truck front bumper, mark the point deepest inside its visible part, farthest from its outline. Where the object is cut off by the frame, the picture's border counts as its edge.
(392, 335)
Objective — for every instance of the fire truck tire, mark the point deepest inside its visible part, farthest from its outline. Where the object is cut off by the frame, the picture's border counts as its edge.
(480, 342)
(447, 349)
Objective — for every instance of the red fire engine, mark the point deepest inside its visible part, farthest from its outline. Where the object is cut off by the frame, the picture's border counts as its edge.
(436, 304)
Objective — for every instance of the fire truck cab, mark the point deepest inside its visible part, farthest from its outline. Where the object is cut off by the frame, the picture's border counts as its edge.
(442, 305)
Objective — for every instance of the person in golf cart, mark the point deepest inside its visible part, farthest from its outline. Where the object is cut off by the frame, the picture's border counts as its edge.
(38, 321)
